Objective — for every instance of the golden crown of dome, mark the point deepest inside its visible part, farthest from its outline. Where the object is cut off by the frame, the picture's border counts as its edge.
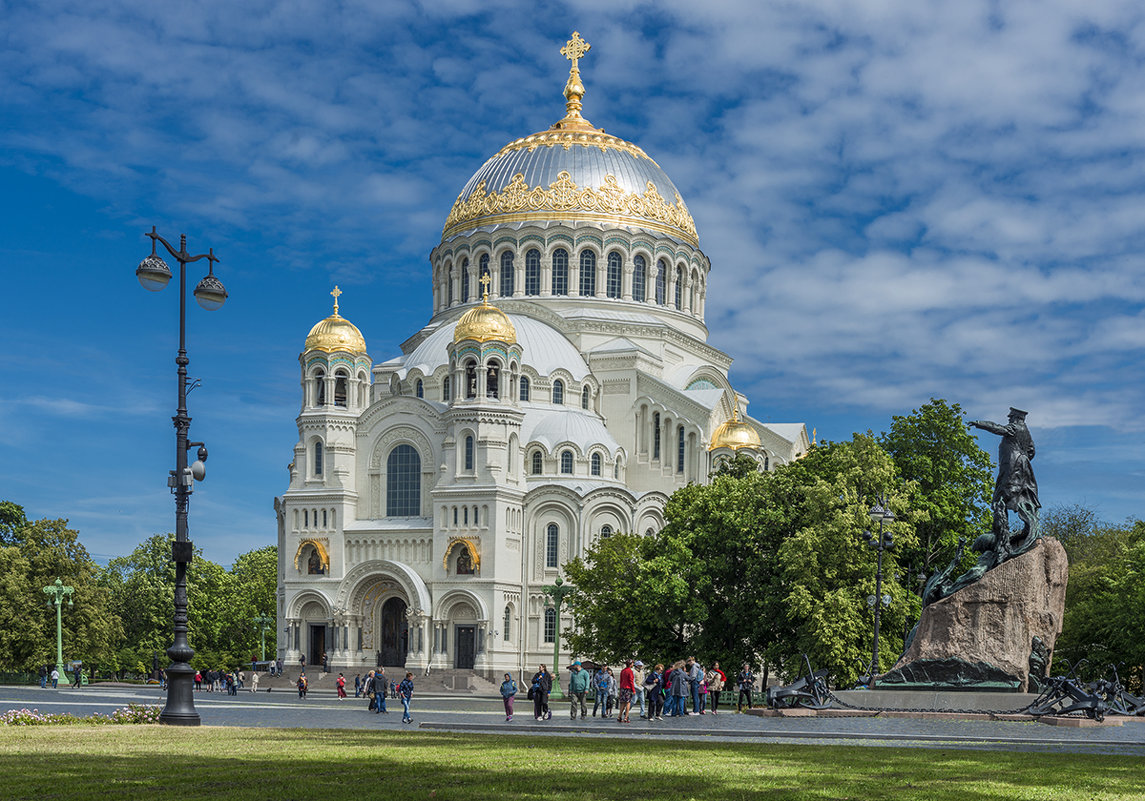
(336, 333)
(485, 323)
(734, 434)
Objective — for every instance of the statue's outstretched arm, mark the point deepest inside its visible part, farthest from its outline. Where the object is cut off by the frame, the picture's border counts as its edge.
(986, 425)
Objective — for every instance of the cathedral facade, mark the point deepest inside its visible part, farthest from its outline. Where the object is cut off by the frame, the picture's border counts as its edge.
(561, 391)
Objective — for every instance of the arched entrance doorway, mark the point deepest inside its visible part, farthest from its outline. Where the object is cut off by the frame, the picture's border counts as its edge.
(395, 633)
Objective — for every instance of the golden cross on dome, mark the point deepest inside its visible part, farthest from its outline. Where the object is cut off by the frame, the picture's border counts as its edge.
(575, 48)
(336, 293)
(484, 280)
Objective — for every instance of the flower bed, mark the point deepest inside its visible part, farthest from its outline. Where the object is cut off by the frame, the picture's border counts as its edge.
(132, 713)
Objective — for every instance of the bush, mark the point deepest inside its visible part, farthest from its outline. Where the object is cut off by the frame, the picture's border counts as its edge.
(132, 713)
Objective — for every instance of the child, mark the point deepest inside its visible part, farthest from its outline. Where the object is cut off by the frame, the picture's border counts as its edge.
(508, 693)
(405, 692)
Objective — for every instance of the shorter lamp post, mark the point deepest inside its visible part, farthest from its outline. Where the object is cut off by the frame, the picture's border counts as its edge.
(883, 541)
(263, 622)
(557, 592)
(56, 592)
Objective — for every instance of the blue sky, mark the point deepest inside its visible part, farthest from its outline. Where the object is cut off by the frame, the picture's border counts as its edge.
(900, 200)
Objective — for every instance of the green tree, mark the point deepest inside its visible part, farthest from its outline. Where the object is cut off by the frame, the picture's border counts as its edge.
(40, 552)
(933, 447)
(829, 572)
(12, 519)
(1105, 602)
(632, 597)
(143, 584)
(253, 586)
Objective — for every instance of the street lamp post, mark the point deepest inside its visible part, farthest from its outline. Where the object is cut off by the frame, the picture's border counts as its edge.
(153, 273)
(557, 591)
(883, 541)
(263, 622)
(57, 590)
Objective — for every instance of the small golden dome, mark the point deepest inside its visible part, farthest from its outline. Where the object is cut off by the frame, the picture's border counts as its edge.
(485, 323)
(336, 333)
(734, 434)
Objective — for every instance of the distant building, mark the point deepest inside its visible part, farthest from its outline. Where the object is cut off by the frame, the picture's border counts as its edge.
(562, 389)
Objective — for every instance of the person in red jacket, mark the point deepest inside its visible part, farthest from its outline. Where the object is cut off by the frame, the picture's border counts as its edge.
(627, 690)
(341, 686)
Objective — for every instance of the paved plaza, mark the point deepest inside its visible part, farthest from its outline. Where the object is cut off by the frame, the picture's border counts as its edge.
(281, 709)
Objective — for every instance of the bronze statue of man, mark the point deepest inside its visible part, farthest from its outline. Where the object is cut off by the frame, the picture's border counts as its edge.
(1016, 488)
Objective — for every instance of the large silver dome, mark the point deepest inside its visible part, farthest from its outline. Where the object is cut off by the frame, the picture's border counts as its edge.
(581, 174)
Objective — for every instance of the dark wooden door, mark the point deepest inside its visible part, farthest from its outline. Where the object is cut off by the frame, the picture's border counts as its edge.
(464, 653)
(395, 633)
(317, 646)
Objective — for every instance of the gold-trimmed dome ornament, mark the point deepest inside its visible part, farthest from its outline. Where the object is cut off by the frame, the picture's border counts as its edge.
(485, 323)
(734, 434)
(336, 333)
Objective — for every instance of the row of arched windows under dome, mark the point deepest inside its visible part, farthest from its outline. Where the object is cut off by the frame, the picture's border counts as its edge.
(338, 389)
(564, 463)
(494, 385)
(641, 278)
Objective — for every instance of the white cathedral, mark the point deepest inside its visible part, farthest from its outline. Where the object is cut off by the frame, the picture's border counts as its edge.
(561, 391)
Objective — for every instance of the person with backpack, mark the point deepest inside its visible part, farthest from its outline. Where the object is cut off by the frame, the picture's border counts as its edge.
(600, 688)
(379, 687)
(578, 686)
(405, 692)
(539, 690)
(508, 693)
(654, 691)
(716, 679)
(745, 680)
(302, 685)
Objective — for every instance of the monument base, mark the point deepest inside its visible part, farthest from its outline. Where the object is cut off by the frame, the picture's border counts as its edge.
(984, 634)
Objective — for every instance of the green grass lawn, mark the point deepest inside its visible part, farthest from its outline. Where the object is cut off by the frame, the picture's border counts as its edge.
(74, 763)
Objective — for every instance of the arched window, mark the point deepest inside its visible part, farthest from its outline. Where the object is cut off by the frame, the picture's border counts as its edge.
(680, 449)
(584, 397)
(605, 531)
(595, 461)
(679, 299)
(550, 625)
(320, 383)
(639, 278)
(420, 389)
(482, 272)
(560, 271)
(465, 280)
(649, 533)
(533, 272)
(587, 273)
(558, 391)
(492, 380)
(465, 515)
(317, 459)
(566, 462)
(471, 379)
(449, 283)
(445, 389)
(507, 275)
(661, 280)
(612, 283)
(306, 518)
(505, 625)
(655, 435)
(403, 482)
(524, 387)
(537, 466)
(552, 543)
(469, 452)
(340, 389)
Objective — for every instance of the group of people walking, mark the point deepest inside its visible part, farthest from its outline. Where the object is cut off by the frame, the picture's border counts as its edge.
(375, 686)
(683, 688)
